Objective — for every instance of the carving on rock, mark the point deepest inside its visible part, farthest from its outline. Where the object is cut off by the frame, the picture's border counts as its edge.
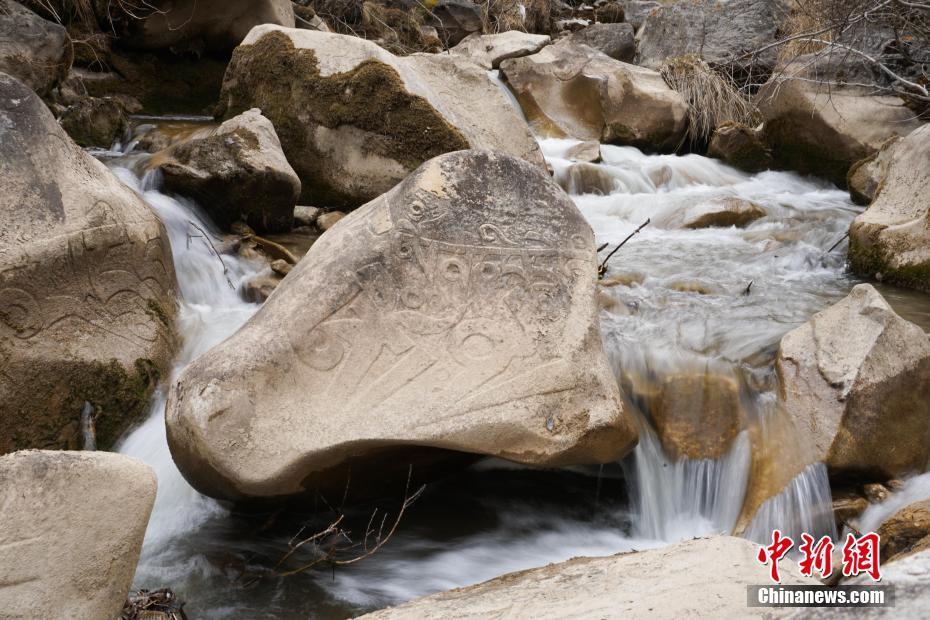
(86, 286)
(456, 311)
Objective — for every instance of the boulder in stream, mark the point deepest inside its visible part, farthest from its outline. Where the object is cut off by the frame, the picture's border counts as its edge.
(73, 524)
(576, 91)
(722, 212)
(855, 378)
(891, 239)
(740, 146)
(906, 531)
(490, 50)
(95, 121)
(354, 119)
(814, 129)
(670, 582)
(454, 314)
(32, 49)
(236, 173)
(87, 287)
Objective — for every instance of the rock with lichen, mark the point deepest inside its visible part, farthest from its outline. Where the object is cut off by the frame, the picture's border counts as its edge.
(87, 287)
(236, 173)
(354, 119)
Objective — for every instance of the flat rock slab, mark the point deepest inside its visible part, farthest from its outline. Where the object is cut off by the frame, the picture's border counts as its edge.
(456, 312)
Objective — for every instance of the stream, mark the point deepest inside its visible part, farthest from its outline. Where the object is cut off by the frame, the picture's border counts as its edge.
(675, 304)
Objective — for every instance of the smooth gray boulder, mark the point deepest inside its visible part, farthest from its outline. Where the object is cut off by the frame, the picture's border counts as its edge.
(454, 314)
(236, 173)
(354, 119)
(72, 529)
(32, 49)
(87, 287)
(855, 379)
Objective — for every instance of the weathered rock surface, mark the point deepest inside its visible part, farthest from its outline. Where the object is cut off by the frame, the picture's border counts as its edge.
(456, 20)
(824, 132)
(574, 90)
(614, 40)
(490, 50)
(456, 312)
(671, 582)
(588, 151)
(635, 11)
(354, 119)
(906, 531)
(719, 32)
(73, 524)
(856, 378)
(740, 146)
(237, 173)
(866, 175)
(722, 212)
(196, 25)
(587, 178)
(892, 236)
(95, 121)
(32, 49)
(87, 286)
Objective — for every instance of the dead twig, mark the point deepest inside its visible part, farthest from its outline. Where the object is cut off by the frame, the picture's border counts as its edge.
(203, 235)
(602, 270)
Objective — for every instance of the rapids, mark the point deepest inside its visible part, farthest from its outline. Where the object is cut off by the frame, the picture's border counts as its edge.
(678, 306)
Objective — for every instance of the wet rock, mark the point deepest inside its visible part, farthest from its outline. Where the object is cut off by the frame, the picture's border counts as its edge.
(614, 40)
(73, 524)
(195, 26)
(95, 121)
(585, 178)
(490, 50)
(892, 236)
(847, 506)
(306, 216)
(875, 492)
(413, 328)
(281, 267)
(587, 587)
(457, 19)
(32, 49)
(696, 416)
(237, 173)
(576, 91)
(717, 32)
(855, 377)
(866, 175)
(740, 146)
(260, 287)
(820, 131)
(328, 220)
(589, 151)
(87, 286)
(361, 119)
(906, 531)
(723, 212)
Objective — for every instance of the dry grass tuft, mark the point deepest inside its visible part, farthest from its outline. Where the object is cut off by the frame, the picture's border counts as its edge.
(712, 99)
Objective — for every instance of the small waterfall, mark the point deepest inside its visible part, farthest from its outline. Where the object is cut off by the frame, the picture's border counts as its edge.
(805, 506)
(674, 500)
(915, 489)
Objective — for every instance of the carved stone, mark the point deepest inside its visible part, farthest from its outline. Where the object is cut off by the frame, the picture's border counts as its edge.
(87, 286)
(455, 312)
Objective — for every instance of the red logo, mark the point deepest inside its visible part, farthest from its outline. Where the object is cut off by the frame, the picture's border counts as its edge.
(860, 555)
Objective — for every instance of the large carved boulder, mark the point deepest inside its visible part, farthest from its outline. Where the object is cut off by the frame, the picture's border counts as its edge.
(236, 173)
(87, 287)
(891, 239)
(673, 579)
(73, 524)
(720, 33)
(191, 25)
(823, 131)
(455, 312)
(33, 49)
(571, 90)
(856, 378)
(354, 119)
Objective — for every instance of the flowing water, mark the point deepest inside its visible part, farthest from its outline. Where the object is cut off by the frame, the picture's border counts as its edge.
(678, 304)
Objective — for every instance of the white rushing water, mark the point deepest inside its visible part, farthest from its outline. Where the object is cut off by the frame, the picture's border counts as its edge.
(679, 307)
